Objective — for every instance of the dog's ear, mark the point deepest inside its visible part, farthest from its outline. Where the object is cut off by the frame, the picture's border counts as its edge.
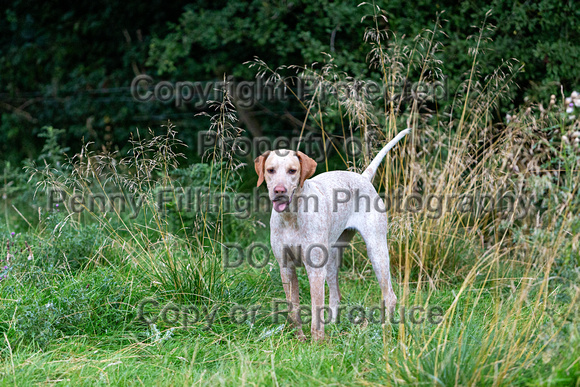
(307, 167)
(259, 165)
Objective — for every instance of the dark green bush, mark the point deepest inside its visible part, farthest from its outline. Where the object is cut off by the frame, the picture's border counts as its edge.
(72, 69)
(92, 303)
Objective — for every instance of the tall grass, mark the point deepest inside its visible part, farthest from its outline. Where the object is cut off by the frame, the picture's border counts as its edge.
(501, 262)
(179, 254)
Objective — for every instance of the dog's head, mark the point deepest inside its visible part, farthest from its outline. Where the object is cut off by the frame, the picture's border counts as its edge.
(284, 172)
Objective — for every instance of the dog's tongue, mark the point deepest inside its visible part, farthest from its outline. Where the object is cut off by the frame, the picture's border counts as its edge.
(280, 206)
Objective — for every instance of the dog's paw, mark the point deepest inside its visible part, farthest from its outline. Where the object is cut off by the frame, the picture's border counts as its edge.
(300, 335)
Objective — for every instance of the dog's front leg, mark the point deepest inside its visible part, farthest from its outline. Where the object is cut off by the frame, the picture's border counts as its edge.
(315, 265)
(290, 284)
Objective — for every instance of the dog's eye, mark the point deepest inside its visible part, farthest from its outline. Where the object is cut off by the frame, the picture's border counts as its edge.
(291, 171)
(270, 170)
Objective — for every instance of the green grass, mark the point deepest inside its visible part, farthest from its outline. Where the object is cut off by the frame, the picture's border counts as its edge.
(90, 335)
(78, 324)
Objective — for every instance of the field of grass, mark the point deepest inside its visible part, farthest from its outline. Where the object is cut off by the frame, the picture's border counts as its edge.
(80, 290)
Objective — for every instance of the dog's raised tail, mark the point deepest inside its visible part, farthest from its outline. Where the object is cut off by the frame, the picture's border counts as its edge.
(374, 165)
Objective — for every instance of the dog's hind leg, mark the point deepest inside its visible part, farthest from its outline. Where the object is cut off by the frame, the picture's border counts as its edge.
(377, 249)
(332, 271)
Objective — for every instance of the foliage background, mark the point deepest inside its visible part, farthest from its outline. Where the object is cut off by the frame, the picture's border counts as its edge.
(70, 65)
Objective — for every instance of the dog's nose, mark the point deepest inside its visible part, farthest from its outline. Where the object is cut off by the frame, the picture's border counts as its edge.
(279, 190)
